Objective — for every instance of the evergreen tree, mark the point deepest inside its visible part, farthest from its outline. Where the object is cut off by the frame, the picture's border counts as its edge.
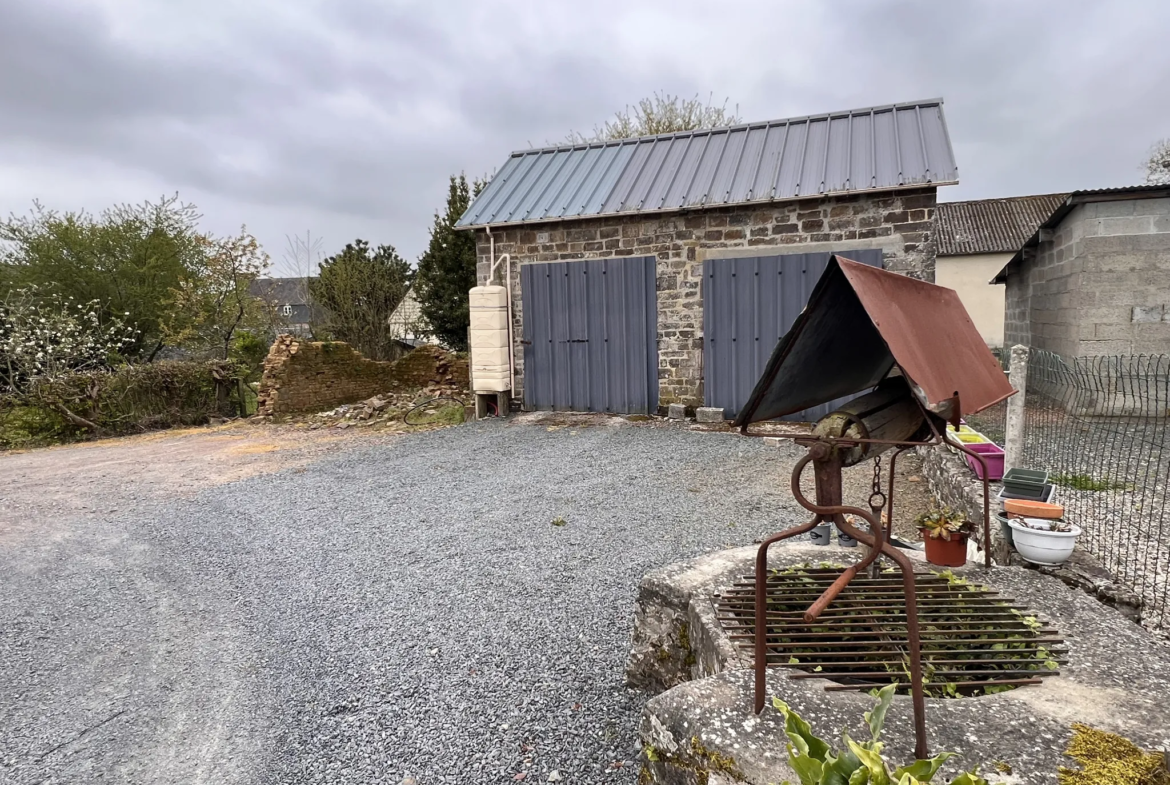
(446, 271)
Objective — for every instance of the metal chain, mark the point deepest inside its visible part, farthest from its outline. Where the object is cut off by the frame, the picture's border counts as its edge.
(877, 499)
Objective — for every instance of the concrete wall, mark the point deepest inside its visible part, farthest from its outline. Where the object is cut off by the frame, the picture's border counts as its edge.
(898, 223)
(1101, 285)
(969, 276)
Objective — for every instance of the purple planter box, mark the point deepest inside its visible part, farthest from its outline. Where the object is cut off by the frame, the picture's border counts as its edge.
(993, 454)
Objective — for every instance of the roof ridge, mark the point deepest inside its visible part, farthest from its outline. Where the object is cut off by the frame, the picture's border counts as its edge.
(926, 102)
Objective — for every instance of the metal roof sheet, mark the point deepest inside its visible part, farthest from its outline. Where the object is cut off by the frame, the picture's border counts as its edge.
(878, 148)
(859, 322)
(991, 225)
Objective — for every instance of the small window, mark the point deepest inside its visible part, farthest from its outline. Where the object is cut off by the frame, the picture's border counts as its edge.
(286, 310)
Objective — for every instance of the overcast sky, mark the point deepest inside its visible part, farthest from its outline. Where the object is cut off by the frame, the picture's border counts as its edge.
(345, 117)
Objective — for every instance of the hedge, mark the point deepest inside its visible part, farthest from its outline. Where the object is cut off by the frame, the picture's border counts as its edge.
(127, 399)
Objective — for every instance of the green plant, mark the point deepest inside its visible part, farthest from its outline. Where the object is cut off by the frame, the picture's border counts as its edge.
(858, 763)
(358, 291)
(1087, 482)
(943, 523)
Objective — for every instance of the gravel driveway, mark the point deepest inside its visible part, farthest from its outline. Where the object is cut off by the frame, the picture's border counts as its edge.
(398, 608)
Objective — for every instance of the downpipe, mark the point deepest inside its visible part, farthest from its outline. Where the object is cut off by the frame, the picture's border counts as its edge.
(494, 263)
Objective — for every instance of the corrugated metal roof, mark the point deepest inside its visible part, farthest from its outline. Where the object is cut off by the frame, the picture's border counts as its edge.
(1072, 200)
(991, 225)
(879, 148)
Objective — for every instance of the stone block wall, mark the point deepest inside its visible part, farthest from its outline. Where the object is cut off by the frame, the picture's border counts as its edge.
(1100, 286)
(307, 376)
(899, 223)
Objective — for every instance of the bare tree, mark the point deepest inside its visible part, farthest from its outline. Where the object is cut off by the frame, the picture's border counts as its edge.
(1158, 164)
(661, 114)
(301, 260)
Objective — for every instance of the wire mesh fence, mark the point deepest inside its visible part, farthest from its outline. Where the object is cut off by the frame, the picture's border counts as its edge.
(1099, 426)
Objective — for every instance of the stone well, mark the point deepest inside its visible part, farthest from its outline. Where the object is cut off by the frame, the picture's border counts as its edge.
(701, 729)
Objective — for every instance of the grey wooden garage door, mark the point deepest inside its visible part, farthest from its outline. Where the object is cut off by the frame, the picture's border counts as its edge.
(748, 304)
(590, 335)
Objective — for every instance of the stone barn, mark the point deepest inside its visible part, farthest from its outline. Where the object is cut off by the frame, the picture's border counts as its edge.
(663, 269)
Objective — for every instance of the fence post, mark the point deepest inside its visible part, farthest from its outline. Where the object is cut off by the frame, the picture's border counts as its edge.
(1014, 430)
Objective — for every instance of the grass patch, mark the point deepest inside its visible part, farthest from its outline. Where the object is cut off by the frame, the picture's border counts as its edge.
(1087, 482)
(442, 414)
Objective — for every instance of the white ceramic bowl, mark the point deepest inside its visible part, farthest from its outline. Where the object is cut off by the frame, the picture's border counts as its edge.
(1044, 547)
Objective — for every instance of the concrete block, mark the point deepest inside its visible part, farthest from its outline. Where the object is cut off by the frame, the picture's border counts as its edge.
(1147, 313)
(1116, 209)
(709, 414)
(1151, 207)
(677, 411)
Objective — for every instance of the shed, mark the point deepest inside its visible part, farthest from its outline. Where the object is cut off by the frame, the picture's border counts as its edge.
(1094, 278)
(664, 269)
(974, 240)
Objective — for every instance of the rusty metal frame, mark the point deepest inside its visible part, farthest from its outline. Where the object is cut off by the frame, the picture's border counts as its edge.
(827, 470)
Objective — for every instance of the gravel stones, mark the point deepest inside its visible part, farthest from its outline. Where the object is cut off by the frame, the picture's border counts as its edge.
(398, 610)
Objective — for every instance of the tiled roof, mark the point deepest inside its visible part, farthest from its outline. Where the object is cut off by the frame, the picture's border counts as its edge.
(879, 148)
(991, 225)
(281, 291)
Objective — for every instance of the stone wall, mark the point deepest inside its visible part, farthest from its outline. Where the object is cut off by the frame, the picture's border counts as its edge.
(1100, 286)
(899, 223)
(307, 376)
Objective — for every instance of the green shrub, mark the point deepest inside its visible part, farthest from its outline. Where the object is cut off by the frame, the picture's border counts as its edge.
(31, 426)
(127, 399)
(816, 763)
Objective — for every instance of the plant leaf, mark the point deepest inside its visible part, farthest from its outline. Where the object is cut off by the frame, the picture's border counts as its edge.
(806, 768)
(923, 770)
(877, 718)
(799, 731)
(859, 777)
(870, 756)
(969, 778)
(838, 770)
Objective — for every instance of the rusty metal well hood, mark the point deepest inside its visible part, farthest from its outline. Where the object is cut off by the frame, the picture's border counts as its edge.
(859, 323)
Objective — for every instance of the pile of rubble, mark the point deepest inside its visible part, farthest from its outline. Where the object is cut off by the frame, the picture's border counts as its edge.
(386, 410)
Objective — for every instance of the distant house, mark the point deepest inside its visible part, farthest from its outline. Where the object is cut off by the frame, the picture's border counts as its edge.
(290, 298)
(1094, 278)
(408, 323)
(664, 269)
(974, 240)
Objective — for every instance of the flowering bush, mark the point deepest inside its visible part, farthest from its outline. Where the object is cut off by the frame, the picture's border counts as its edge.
(46, 336)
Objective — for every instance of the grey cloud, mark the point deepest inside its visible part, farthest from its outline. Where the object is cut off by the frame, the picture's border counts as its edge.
(362, 109)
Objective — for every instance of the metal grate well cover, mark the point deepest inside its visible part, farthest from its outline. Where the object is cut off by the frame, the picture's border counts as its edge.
(973, 640)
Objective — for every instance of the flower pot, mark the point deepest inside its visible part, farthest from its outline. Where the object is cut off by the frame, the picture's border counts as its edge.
(993, 454)
(820, 534)
(1005, 528)
(946, 553)
(1044, 547)
(844, 540)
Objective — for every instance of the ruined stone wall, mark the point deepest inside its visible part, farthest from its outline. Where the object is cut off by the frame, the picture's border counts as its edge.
(899, 223)
(309, 376)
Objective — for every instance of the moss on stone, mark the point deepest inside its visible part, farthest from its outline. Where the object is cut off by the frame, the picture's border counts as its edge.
(684, 643)
(713, 759)
(1109, 759)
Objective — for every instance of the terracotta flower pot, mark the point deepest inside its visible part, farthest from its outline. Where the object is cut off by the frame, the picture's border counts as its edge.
(946, 553)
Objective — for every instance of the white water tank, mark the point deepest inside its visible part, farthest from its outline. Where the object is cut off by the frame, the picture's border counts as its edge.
(490, 370)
